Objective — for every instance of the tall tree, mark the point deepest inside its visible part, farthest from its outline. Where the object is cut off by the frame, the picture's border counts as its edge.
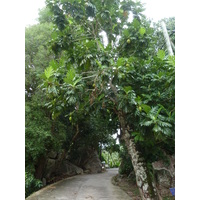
(129, 77)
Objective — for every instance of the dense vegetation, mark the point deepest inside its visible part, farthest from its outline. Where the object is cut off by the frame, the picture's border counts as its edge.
(80, 91)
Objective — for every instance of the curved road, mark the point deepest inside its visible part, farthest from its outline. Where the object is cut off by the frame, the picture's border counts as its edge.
(83, 187)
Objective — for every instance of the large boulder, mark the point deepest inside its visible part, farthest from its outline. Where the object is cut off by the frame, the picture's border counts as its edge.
(50, 168)
(93, 164)
(58, 166)
(52, 154)
(67, 168)
(165, 175)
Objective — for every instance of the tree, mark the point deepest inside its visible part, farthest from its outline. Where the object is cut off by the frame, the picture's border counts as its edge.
(39, 139)
(37, 55)
(130, 77)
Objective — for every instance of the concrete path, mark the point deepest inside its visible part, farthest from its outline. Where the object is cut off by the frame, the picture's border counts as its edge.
(83, 187)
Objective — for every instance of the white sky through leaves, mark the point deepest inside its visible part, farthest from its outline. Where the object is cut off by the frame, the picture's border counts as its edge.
(155, 9)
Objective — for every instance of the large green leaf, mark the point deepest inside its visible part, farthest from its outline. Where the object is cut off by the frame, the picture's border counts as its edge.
(70, 76)
(49, 72)
(136, 23)
(161, 54)
(142, 31)
(146, 108)
(126, 33)
(120, 62)
(171, 60)
(127, 89)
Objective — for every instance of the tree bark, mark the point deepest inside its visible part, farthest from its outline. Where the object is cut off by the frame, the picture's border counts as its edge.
(145, 184)
(39, 168)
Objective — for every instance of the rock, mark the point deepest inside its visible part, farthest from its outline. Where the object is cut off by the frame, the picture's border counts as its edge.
(163, 178)
(52, 155)
(50, 168)
(44, 182)
(61, 155)
(68, 168)
(165, 175)
(132, 176)
(93, 163)
(86, 171)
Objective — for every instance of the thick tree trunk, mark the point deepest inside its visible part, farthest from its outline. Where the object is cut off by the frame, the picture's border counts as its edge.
(146, 186)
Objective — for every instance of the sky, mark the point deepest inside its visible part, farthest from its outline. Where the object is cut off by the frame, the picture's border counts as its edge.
(155, 9)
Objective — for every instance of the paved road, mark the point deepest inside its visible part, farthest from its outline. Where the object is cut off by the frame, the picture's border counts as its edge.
(83, 187)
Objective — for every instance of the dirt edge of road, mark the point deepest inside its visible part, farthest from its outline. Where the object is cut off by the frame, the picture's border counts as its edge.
(128, 185)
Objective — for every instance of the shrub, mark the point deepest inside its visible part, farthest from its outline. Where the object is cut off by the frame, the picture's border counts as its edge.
(31, 184)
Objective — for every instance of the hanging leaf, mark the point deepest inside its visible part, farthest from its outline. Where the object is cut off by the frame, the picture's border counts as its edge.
(157, 128)
(146, 123)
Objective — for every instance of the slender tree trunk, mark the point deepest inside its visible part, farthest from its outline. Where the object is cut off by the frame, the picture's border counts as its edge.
(145, 184)
(167, 40)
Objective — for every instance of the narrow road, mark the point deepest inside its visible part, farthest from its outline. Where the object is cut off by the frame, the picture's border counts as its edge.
(83, 187)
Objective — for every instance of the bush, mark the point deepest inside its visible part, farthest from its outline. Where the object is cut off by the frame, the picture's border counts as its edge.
(31, 184)
(126, 166)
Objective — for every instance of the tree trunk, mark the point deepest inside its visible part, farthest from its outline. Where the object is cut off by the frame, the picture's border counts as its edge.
(39, 168)
(167, 40)
(145, 184)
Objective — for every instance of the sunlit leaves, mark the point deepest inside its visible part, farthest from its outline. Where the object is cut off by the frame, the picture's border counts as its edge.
(146, 108)
(136, 24)
(161, 54)
(120, 61)
(49, 72)
(126, 33)
(142, 31)
(70, 76)
(171, 60)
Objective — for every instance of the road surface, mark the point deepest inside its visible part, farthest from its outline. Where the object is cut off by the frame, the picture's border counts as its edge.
(83, 187)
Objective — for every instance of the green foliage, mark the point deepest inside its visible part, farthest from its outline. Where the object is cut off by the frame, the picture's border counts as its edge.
(37, 55)
(112, 159)
(126, 166)
(161, 54)
(45, 15)
(89, 85)
(48, 72)
(142, 31)
(38, 136)
(31, 184)
(131, 75)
